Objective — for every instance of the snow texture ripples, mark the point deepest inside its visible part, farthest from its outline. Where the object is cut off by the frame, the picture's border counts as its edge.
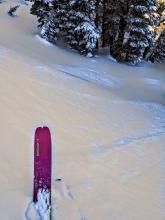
(157, 128)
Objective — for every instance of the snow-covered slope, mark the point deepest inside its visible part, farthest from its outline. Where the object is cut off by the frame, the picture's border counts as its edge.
(107, 122)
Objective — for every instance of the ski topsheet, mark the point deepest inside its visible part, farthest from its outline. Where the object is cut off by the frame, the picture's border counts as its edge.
(42, 165)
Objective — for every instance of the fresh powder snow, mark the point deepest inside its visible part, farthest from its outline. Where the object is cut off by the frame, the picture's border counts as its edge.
(107, 122)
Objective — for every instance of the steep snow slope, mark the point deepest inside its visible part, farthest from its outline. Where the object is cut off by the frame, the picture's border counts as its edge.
(107, 122)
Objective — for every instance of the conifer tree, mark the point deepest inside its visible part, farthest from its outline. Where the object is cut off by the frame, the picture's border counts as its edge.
(40, 8)
(157, 54)
(55, 25)
(129, 27)
(140, 31)
(117, 21)
(103, 9)
(82, 33)
(97, 17)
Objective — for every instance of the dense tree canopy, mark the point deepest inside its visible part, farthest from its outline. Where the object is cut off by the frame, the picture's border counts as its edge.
(132, 29)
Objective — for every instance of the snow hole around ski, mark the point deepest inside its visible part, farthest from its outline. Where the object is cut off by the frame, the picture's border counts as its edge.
(40, 210)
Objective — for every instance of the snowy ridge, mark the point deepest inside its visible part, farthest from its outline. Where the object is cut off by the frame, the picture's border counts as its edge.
(91, 74)
(124, 142)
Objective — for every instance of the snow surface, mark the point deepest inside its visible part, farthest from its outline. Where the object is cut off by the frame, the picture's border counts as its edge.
(44, 41)
(107, 122)
(153, 82)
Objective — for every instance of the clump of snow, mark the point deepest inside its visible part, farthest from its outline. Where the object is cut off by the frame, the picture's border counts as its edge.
(89, 55)
(43, 207)
(40, 210)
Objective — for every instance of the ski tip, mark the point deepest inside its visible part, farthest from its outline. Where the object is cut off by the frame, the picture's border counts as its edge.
(42, 128)
(42, 133)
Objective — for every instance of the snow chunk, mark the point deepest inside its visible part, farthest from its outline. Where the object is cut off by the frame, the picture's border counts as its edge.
(89, 55)
(43, 205)
(42, 209)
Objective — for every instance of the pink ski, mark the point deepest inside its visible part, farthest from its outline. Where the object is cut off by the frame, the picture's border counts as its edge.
(42, 162)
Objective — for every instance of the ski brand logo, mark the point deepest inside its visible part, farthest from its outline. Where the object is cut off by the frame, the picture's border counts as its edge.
(38, 149)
